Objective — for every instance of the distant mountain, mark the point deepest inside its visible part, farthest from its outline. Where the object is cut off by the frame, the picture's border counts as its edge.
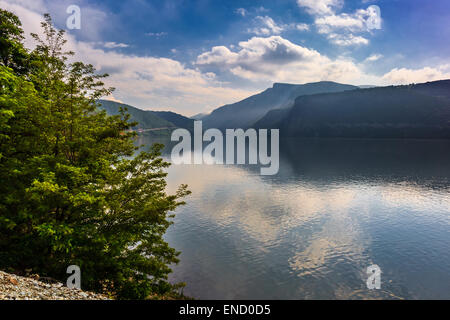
(149, 119)
(367, 86)
(177, 119)
(413, 111)
(198, 116)
(245, 113)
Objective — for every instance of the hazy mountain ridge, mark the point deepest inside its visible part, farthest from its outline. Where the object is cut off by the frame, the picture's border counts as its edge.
(245, 113)
(337, 110)
(148, 119)
(198, 116)
(177, 119)
(412, 111)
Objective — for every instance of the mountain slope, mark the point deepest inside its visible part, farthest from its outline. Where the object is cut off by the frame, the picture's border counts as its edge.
(245, 113)
(149, 119)
(177, 119)
(415, 111)
(198, 116)
(145, 119)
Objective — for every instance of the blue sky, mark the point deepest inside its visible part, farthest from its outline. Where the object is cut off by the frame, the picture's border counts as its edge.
(193, 56)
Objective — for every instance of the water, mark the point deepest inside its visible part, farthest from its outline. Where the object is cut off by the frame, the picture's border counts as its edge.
(335, 208)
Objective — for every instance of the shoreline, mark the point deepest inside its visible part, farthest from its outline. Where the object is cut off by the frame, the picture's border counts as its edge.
(14, 287)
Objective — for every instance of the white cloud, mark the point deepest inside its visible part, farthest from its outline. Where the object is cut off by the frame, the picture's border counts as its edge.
(160, 82)
(277, 59)
(407, 76)
(302, 27)
(35, 5)
(156, 34)
(241, 11)
(327, 24)
(374, 57)
(143, 81)
(111, 98)
(320, 7)
(265, 26)
(168, 84)
(342, 29)
(347, 39)
(113, 45)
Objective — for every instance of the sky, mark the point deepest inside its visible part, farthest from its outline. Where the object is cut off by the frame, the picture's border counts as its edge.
(192, 56)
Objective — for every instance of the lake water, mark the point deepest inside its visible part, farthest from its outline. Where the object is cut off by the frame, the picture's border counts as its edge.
(310, 232)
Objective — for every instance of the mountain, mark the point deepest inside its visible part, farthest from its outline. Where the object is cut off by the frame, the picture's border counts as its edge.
(177, 119)
(367, 86)
(145, 119)
(198, 116)
(413, 111)
(245, 113)
(149, 119)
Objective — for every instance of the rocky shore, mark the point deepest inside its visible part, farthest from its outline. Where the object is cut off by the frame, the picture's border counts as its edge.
(13, 287)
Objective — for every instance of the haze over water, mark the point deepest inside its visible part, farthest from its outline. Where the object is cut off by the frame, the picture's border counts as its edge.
(310, 232)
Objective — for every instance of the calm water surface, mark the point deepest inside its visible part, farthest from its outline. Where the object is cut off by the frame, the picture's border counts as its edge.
(310, 232)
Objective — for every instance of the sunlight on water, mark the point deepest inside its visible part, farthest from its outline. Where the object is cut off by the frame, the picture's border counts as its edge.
(311, 231)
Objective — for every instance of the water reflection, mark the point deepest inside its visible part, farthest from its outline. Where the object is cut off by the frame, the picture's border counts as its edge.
(336, 207)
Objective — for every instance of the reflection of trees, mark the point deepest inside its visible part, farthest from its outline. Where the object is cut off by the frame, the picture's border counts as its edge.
(422, 162)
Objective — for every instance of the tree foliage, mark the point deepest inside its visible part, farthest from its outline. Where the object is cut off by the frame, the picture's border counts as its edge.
(73, 190)
(12, 51)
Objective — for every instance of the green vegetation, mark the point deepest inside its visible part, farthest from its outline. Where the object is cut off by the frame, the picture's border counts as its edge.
(143, 119)
(71, 191)
(147, 119)
(178, 120)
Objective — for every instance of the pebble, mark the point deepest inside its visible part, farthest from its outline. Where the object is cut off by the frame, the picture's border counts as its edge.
(13, 287)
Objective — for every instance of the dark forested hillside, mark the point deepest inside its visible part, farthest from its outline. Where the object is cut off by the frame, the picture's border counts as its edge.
(149, 119)
(415, 111)
(245, 113)
(177, 119)
(145, 119)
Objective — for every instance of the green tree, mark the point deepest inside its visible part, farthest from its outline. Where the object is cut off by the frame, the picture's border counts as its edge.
(73, 190)
(12, 52)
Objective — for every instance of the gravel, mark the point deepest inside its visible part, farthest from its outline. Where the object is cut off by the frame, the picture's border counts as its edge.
(13, 287)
